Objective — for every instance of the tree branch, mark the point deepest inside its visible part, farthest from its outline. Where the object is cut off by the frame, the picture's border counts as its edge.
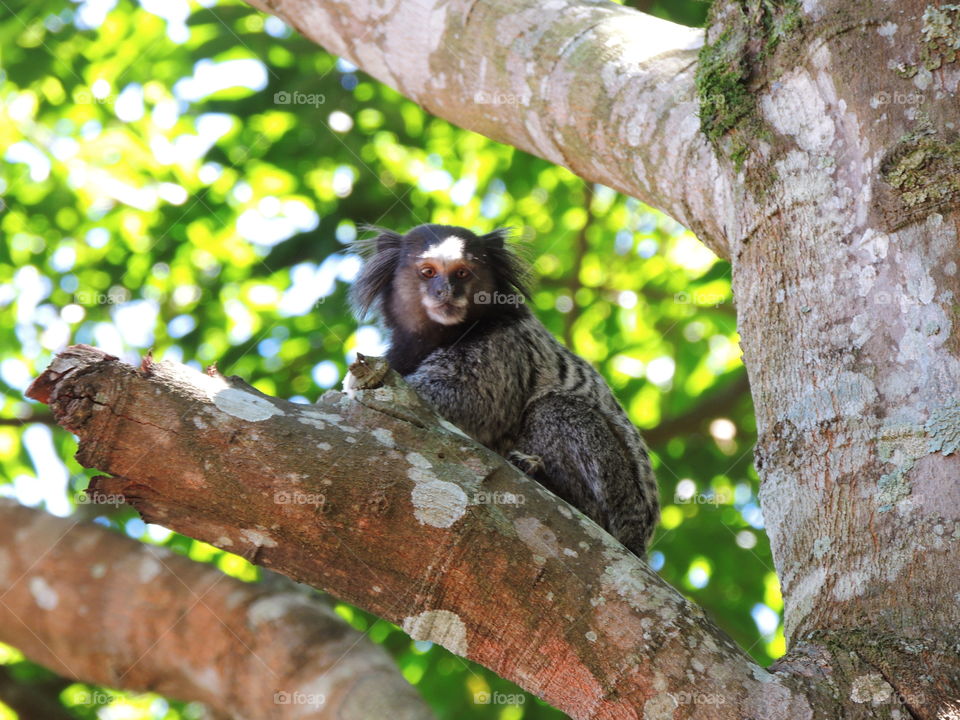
(376, 500)
(573, 283)
(599, 88)
(92, 605)
(42, 418)
(716, 402)
(33, 699)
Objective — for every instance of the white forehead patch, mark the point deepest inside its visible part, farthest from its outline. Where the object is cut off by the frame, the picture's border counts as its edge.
(449, 250)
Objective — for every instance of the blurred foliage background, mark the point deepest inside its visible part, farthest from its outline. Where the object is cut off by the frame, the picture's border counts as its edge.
(185, 176)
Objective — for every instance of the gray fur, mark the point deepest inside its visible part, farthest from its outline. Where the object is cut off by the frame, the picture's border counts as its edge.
(504, 380)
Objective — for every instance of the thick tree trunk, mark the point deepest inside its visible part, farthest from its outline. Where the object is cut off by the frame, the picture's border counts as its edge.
(846, 282)
(97, 607)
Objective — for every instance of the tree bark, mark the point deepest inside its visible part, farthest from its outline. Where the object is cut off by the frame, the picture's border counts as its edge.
(815, 145)
(379, 501)
(94, 606)
(599, 88)
(833, 187)
(845, 286)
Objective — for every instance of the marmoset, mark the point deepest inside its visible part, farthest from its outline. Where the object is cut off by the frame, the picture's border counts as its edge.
(453, 303)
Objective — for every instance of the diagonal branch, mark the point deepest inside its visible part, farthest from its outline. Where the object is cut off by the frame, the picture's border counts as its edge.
(599, 88)
(41, 418)
(716, 402)
(375, 499)
(33, 698)
(92, 605)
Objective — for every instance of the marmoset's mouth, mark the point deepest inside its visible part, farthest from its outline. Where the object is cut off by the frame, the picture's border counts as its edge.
(452, 304)
(446, 313)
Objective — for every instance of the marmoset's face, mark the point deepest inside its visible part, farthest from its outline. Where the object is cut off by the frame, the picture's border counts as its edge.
(449, 278)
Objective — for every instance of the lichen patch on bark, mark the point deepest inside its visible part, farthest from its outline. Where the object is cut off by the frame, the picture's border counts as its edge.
(442, 627)
(438, 503)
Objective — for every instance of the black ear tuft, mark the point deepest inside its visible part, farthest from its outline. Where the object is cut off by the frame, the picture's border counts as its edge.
(384, 239)
(497, 238)
(511, 271)
(381, 254)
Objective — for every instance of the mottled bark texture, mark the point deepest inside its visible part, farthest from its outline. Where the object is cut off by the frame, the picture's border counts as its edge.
(845, 275)
(834, 192)
(94, 606)
(815, 144)
(375, 499)
(596, 87)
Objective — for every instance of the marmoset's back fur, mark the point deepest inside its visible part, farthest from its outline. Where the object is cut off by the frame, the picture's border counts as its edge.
(462, 336)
